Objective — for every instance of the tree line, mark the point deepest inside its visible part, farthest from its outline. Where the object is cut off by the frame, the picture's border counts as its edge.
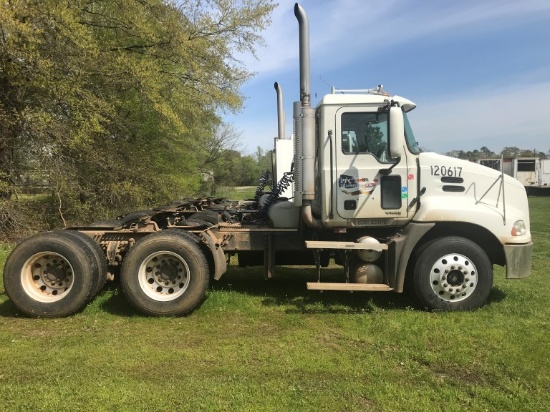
(226, 166)
(486, 153)
(118, 103)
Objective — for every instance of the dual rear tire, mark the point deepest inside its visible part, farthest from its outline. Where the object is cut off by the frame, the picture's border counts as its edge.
(54, 274)
(165, 274)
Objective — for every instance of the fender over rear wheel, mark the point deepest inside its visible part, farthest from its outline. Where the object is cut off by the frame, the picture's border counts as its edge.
(165, 274)
(452, 273)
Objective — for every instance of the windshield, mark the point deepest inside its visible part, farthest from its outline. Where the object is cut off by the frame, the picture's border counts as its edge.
(409, 136)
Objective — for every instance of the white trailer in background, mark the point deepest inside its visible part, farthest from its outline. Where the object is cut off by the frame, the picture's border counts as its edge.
(532, 172)
(544, 174)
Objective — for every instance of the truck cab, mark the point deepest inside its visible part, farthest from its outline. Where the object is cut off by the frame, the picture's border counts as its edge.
(366, 171)
(371, 184)
(371, 173)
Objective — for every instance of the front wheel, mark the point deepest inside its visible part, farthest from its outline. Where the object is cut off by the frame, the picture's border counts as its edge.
(165, 274)
(452, 273)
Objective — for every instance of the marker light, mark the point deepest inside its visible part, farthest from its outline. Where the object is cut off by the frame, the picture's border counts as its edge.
(519, 228)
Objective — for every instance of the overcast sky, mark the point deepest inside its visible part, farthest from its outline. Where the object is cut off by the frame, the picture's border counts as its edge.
(479, 71)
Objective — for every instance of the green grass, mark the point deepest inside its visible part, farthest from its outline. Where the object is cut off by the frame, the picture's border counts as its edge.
(237, 193)
(274, 346)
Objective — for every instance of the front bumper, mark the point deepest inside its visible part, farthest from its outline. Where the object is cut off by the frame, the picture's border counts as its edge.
(518, 260)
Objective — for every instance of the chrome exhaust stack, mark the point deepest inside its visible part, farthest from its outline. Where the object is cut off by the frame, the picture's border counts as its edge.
(303, 24)
(280, 112)
(304, 128)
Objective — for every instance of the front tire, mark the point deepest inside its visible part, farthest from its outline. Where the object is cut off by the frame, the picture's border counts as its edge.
(165, 274)
(50, 275)
(451, 274)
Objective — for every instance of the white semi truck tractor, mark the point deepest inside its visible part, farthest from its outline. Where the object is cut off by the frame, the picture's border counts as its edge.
(357, 189)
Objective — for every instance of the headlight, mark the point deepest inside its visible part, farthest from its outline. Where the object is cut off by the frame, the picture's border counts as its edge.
(519, 228)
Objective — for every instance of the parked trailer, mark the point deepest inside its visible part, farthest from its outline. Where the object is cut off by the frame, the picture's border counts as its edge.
(532, 172)
(361, 193)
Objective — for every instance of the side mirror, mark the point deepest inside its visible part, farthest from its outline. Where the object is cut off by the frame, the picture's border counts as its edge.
(387, 172)
(397, 132)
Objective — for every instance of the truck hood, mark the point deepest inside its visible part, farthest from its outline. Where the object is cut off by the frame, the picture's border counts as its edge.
(462, 191)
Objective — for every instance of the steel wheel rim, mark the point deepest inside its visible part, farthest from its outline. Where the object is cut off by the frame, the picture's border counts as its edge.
(47, 277)
(453, 277)
(164, 276)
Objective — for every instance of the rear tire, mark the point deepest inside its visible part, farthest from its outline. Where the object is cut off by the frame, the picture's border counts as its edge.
(100, 277)
(50, 275)
(207, 216)
(451, 274)
(165, 274)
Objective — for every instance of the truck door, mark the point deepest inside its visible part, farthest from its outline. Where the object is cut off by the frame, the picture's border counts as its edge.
(366, 189)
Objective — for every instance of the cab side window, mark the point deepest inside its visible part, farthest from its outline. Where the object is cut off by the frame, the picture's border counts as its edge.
(365, 132)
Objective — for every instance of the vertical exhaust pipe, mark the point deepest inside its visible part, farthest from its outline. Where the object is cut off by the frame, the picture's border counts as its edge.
(303, 24)
(306, 162)
(280, 112)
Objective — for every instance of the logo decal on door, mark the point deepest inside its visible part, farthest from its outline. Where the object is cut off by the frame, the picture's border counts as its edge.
(355, 186)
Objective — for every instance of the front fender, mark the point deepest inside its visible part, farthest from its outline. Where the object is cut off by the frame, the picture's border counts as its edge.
(461, 208)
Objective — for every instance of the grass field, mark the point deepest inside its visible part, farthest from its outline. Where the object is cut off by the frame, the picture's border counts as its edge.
(236, 193)
(258, 345)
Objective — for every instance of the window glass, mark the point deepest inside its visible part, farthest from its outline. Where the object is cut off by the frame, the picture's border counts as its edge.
(409, 136)
(365, 133)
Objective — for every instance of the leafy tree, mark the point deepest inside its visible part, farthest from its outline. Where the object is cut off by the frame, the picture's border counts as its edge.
(486, 153)
(263, 159)
(530, 153)
(215, 144)
(511, 151)
(113, 100)
(228, 170)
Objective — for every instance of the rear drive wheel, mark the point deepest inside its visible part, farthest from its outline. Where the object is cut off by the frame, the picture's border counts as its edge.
(452, 273)
(50, 275)
(165, 274)
(100, 275)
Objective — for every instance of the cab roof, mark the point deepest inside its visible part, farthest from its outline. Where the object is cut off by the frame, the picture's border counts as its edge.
(354, 98)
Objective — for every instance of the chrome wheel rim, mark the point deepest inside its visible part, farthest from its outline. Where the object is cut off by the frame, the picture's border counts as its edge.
(164, 276)
(453, 277)
(47, 277)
